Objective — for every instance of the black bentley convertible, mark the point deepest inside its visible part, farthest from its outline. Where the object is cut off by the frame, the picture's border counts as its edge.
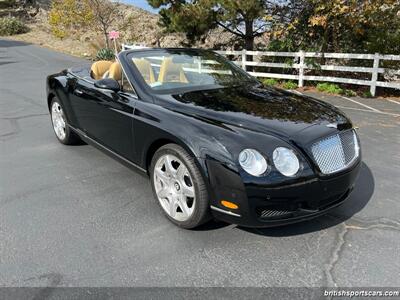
(212, 139)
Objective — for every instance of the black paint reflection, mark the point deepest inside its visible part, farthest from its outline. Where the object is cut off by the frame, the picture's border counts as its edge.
(266, 103)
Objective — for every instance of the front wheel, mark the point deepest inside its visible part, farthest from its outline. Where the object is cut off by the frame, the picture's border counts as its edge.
(179, 187)
(63, 133)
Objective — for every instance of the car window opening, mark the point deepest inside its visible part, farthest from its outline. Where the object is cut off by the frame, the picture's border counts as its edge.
(172, 70)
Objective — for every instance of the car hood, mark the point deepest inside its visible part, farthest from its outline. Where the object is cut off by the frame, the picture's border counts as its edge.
(266, 110)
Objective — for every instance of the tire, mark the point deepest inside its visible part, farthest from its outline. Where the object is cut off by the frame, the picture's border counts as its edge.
(179, 187)
(61, 129)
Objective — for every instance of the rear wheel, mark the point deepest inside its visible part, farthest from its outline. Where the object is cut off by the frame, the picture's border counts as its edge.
(179, 187)
(63, 133)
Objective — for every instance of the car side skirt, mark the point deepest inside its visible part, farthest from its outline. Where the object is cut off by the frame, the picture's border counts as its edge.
(108, 151)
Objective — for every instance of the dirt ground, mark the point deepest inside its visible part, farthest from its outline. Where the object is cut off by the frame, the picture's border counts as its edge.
(38, 36)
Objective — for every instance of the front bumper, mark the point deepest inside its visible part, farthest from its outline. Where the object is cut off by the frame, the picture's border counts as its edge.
(263, 205)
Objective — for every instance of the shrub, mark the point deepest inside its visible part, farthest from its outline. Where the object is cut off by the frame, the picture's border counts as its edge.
(11, 26)
(270, 81)
(289, 85)
(350, 93)
(330, 88)
(70, 18)
(367, 94)
(105, 54)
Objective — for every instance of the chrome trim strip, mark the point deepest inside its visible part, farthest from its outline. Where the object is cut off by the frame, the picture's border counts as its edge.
(224, 211)
(80, 132)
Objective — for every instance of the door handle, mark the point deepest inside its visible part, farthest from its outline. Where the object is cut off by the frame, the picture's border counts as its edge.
(78, 92)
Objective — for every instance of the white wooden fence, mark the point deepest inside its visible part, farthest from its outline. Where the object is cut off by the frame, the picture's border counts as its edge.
(300, 56)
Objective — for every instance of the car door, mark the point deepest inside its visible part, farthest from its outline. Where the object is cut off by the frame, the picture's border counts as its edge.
(105, 116)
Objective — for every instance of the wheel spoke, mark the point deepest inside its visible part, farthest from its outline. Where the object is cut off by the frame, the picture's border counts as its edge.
(188, 191)
(169, 169)
(162, 176)
(181, 172)
(183, 205)
(173, 205)
(58, 129)
(163, 193)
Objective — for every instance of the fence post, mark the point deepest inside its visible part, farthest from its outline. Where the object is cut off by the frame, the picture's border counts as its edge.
(301, 69)
(244, 59)
(374, 76)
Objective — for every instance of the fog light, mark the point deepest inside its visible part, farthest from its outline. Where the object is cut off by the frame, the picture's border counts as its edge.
(229, 204)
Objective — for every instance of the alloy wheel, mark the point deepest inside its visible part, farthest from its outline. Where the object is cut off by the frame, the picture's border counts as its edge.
(58, 119)
(174, 187)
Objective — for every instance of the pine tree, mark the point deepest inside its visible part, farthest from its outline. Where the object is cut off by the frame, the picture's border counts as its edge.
(244, 19)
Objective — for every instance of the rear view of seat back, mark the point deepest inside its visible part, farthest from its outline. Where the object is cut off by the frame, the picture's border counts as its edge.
(99, 68)
(171, 72)
(115, 71)
(145, 69)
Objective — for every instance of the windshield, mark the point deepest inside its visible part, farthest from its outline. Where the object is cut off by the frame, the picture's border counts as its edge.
(185, 69)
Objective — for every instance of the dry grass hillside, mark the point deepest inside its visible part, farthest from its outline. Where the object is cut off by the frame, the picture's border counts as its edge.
(142, 28)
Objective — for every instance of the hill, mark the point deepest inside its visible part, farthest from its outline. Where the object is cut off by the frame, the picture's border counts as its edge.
(142, 28)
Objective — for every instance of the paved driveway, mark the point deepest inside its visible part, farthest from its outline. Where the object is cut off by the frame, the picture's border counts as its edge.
(71, 216)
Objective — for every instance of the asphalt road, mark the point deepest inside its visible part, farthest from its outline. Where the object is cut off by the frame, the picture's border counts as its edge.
(71, 216)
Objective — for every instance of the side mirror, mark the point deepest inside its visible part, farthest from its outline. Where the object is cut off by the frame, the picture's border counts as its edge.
(108, 84)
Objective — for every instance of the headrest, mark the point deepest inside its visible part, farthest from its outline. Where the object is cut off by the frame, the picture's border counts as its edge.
(115, 71)
(171, 72)
(145, 69)
(99, 68)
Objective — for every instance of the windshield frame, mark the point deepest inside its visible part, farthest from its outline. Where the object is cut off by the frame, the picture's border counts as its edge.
(137, 76)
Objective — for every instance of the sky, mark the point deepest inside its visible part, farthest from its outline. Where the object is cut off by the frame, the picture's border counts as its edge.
(141, 3)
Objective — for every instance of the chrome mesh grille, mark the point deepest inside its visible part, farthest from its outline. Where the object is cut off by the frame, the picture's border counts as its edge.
(336, 152)
(269, 213)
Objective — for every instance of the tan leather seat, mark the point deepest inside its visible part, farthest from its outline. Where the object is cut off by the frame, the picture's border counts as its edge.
(115, 71)
(171, 72)
(99, 68)
(145, 69)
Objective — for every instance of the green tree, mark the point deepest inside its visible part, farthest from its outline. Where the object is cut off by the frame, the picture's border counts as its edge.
(341, 26)
(71, 17)
(244, 19)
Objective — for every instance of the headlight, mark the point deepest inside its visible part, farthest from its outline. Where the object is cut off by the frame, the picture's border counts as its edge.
(286, 161)
(253, 162)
